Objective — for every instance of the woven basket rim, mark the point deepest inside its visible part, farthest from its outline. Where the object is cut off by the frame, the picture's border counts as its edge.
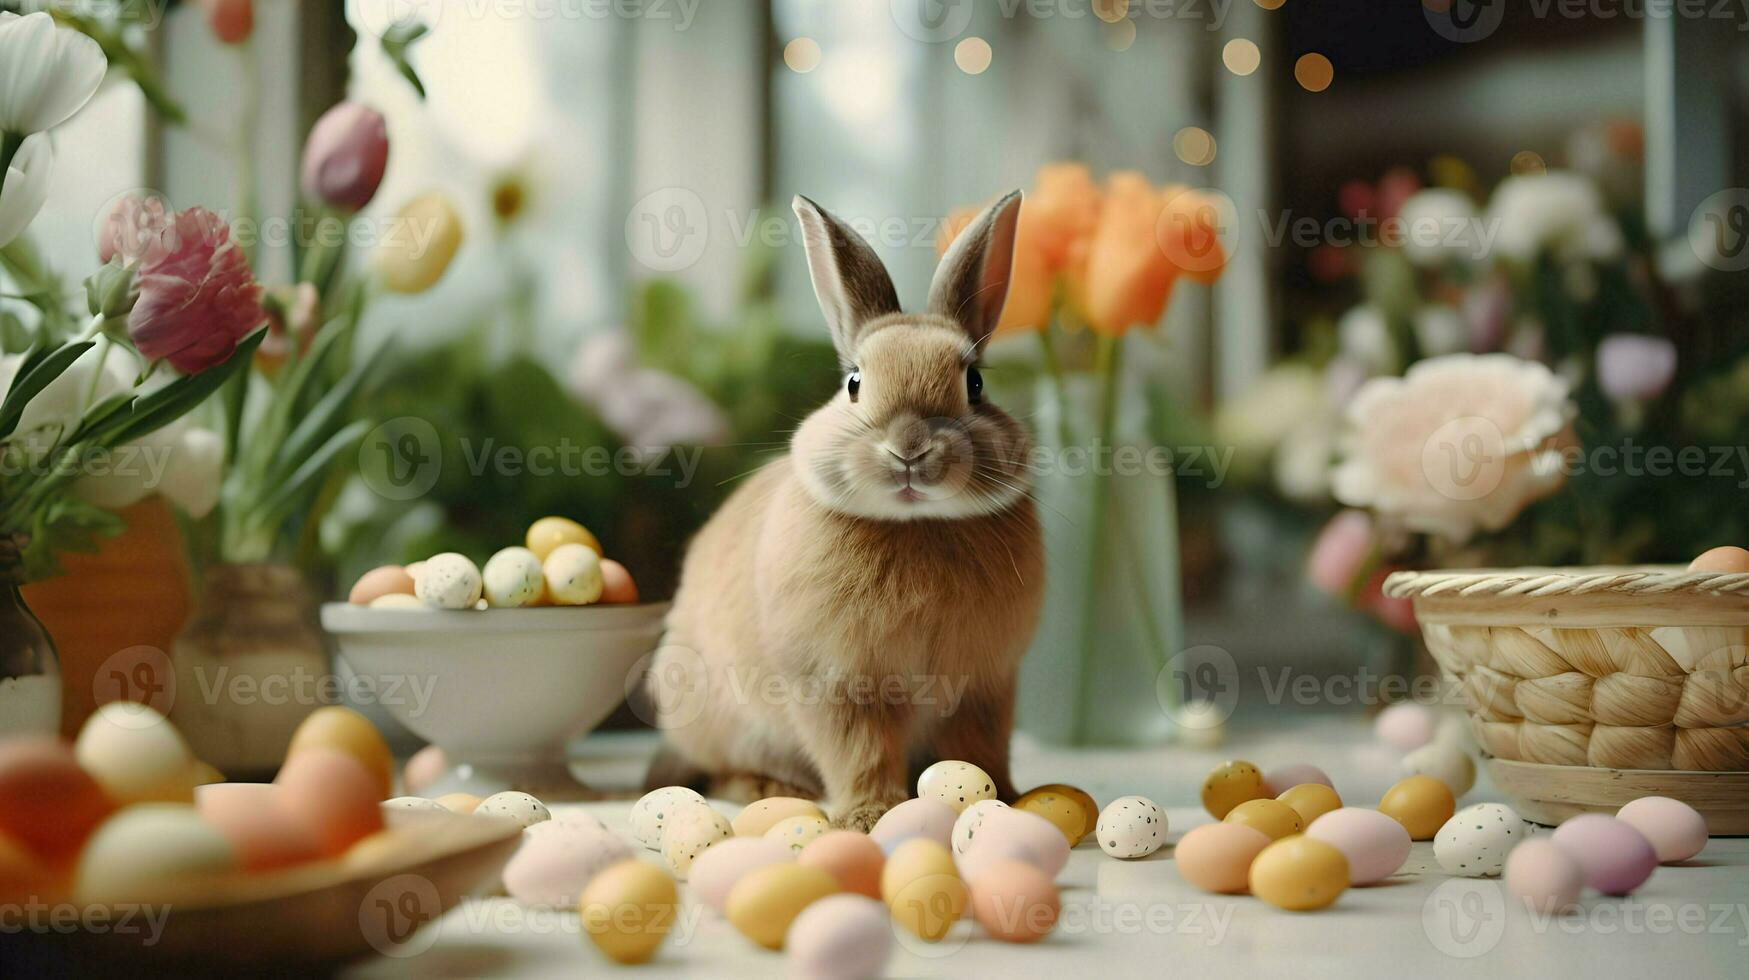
(1532, 582)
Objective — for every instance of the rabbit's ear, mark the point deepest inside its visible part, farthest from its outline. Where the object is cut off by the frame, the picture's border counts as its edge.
(971, 284)
(849, 279)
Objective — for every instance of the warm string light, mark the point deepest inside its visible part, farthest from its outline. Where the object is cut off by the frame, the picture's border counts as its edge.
(1194, 145)
(972, 55)
(802, 55)
(1241, 56)
(1527, 163)
(1119, 35)
(1314, 72)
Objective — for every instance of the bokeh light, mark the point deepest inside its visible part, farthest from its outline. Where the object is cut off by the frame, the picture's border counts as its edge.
(1194, 145)
(1527, 162)
(1241, 56)
(1120, 35)
(1271, 4)
(802, 55)
(1111, 11)
(1314, 72)
(972, 55)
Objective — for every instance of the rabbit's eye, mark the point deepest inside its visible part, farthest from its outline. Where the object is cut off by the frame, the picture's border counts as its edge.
(853, 384)
(974, 386)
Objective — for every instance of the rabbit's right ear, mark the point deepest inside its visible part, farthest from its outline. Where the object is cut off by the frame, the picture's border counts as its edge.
(852, 285)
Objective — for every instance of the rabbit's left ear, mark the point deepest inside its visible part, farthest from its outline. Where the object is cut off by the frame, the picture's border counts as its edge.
(971, 284)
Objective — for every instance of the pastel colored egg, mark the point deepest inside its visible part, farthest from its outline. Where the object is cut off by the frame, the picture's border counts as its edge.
(425, 767)
(1616, 858)
(765, 902)
(1299, 874)
(691, 830)
(956, 783)
(513, 578)
(1272, 817)
(1007, 833)
(1475, 841)
(1230, 784)
(970, 819)
(151, 851)
(922, 888)
(448, 581)
(1217, 857)
(396, 600)
(1406, 726)
(1375, 845)
(798, 831)
(1444, 761)
(628, 909)
(1283, 778)
(136, 755)
(331, 794)
(418, 803)
(840, 937)
(852, 858)
(573, 575)
(462, 803)
(344, 730)
(762, 815)
(1089, 805)
(916, 818)
(650, 814)
(48, 804)
(1063, 811)
(548, 533)
(558, 859)
(617, 585)
(1421, 804)
(1725, 559)
(1311, 800)
(1015, 902)
(1132, 827)
(519, 808)
(1544, 877)
(1677, 831)
(263, 834)
(379, 582)
(714, 873)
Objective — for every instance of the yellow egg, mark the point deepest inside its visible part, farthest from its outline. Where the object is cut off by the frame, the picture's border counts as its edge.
(1311, 801)
(762, 815)
(1421, 804)
(799, 831)
(764, 902)
(573, 575)
(1064, 812)
(1230, 784)
(922, 888)
(628, 909)
(1082, 798)
(345, 730)
(458, 802)
(549, 532)
(1273, 817)
(1299, 874)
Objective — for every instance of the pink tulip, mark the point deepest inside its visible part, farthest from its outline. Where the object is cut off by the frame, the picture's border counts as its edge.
(345, 156)
(1340, 552)
(231, 21)
(197, 295)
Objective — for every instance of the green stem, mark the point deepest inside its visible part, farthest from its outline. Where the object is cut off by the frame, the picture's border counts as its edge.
(247, 120)
(1054, 370)
(1107, 365)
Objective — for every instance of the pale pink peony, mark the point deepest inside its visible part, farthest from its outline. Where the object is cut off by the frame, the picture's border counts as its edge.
(1461, 443)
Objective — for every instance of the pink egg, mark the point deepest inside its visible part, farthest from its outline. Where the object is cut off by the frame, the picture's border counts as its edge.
(379, 582)
(1283, 778)
(1216, 857)
(1008, 834)
(558, 858)
(1543, 876)
(616, 583)
(840, 937)
(722, 864)
(425, 767)
(1015, 901)
(929, 818)
(1406, 726)
(1374, 844)
(854, 859)
(250, 816)
(1617, 858)
(1677, 831)
(333, 795)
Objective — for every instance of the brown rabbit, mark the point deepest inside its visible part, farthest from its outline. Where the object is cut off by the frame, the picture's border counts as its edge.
(859, 607)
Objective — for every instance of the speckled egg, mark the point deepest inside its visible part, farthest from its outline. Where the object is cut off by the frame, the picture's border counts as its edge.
(958, 784)
(558, 858)
(715, 872)
(513, 578)
(1444, 761)
(1421, 804)
(650, 814)
(1299, 874)
(929, 818)
(840, 937)
(1406, 726)
(690, 830)
(379, 582)
(522, 809)
(573, 575)
(1272, 817)
(1230, 784)
(628, 909)
(762, 815)
(448, 581)
(966, 826)
(1132, 827)
(1475, 841)
(1677, 831)
(798, 831)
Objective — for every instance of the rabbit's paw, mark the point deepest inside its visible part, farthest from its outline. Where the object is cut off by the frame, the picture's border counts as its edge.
(861, 817)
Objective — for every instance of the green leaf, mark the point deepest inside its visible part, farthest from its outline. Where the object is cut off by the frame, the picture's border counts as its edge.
(322, 418)
(270, 434)
(398, 42)
(64, 524)
(35, 375)
(312, 470)
(111, 411)
(176, 399)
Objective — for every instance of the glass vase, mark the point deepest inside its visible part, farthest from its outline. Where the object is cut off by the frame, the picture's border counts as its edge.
(30, 671)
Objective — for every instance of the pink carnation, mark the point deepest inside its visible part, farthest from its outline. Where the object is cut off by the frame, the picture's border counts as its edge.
(198, 297)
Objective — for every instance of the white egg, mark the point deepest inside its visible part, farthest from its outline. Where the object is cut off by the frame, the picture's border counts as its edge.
(150, 849)
(136, 755)
(573, 574)
(513, 578)
(1131, 827)
(958, 784)
(966, 827)
(1475, 841)
(691, 830)
(448, 581)
(414, 803)
(650, 814)
(1443, 761)
(522, 808)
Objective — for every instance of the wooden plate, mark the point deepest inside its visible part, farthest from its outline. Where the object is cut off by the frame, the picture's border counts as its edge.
(1550, 794)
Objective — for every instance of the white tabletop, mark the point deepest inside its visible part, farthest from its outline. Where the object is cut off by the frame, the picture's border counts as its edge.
(1140, 919)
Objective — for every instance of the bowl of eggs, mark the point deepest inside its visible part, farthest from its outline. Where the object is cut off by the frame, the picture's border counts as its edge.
(1590, 687)
(501, 664)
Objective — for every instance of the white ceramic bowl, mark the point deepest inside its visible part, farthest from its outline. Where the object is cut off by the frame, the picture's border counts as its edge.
(499, 690)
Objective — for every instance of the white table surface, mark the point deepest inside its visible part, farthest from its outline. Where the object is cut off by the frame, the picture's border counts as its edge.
(1140, 919)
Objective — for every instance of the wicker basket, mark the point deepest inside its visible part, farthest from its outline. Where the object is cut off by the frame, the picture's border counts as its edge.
(1638, 675)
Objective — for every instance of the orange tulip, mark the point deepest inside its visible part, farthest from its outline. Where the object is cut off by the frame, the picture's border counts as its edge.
(1129, 275)
(1189, 233)
(1028, 306)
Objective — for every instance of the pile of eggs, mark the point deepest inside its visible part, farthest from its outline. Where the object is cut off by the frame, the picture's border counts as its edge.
(560, 564)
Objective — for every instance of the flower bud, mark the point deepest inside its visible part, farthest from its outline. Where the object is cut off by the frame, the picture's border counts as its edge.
(231, 21)
(345, 156)
(111, 292)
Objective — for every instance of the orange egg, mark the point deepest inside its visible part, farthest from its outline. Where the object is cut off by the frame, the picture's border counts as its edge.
(1726, 559)
(1273, 817)
(379, 582)
(264, 834)
(1230, 784)
(854, 859)
(48, 805)
(616, 583)
(1015, 902)
(1217, 857)
(333, 795)
(1311, 801)
(1421, 804)
(1299, 874)
(345, 730)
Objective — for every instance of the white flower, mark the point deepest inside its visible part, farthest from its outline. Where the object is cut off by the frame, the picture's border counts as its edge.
(26, 187)
(1256, 422)
(47, 72)
(1439, 227)
(1461, 443)
(1302, 464)
(1364, 334)
(1558, 212)
(649, 409)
